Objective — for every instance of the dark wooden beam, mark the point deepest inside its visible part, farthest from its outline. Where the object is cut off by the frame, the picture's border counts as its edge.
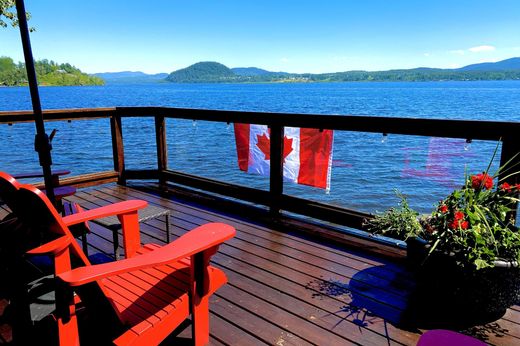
(162, 147)
(276, 173)
(118, 150)
(87, 180)
(241, 192)
(13, 117)
(466, 129)
(325, 212)
(142, 174)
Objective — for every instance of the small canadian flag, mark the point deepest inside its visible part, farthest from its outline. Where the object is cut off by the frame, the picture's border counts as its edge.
(307, 153)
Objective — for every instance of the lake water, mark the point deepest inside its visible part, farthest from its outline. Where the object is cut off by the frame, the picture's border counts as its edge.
(366, 167)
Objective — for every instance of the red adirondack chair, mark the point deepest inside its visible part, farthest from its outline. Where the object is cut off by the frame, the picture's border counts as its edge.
(9, 183)
(8, 188)
(143, 297)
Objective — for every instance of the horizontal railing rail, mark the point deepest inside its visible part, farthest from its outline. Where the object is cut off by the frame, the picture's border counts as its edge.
(275, 199)
(13, 117)
(467, 129)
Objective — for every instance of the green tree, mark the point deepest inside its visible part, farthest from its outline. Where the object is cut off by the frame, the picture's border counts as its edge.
(8, 71)
(6, 63)
(49, 73)
(8, 14)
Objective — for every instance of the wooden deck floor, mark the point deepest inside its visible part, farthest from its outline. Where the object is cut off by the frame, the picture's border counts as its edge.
(285, 289)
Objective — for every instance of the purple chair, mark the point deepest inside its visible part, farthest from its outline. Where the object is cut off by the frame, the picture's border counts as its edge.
(438, 337)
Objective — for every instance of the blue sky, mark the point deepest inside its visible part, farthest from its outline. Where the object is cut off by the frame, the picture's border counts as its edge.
(293, 36)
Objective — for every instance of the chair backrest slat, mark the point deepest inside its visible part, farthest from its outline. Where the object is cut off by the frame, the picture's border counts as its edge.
(40, 214)
(8, 189)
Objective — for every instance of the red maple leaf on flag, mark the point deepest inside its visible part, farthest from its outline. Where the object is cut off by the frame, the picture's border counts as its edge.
(264, 144)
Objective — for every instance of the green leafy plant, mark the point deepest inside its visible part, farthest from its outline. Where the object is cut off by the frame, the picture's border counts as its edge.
(474, 224)
(399, 222)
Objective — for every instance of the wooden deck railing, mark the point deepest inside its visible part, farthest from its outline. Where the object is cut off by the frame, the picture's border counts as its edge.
(275, 199)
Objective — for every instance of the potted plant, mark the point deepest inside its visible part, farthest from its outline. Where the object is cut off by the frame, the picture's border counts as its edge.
(403, 223)
(469, 260)
(399, 222)
(473, 249)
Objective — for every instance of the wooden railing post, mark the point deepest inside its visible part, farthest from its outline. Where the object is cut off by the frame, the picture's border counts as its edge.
(117, 147)
(510, 152)
(276, 175)
(162, 148)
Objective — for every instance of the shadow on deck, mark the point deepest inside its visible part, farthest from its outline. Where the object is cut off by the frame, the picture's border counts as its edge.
(284, 288)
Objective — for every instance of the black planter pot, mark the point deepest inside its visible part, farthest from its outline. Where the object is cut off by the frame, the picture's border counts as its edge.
(448, 295)
(416, 252)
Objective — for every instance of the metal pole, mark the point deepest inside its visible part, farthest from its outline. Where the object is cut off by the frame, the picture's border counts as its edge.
(41, 142)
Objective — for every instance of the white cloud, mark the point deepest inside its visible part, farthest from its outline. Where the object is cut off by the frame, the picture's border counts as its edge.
(284, 60)
(426, 54)
(479, 49)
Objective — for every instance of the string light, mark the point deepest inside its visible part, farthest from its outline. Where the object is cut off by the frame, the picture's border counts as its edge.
(467, 144)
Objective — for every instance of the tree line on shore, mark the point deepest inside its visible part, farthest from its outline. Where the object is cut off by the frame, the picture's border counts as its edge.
(213, 72)
(48, 72)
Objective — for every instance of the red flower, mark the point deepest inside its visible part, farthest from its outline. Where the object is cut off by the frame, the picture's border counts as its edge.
(458, 221)
(517, 186)
(505, 187)
(455, 224)
(459, 216)
(482, 180)
(443, 208)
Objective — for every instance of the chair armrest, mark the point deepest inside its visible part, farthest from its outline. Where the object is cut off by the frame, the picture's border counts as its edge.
(53, 247)
(120, 208)
(196, 241)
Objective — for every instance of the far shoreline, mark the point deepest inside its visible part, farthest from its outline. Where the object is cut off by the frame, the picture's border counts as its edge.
(267, 82)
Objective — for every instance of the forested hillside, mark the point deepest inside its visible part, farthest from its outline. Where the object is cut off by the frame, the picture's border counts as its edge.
(48, 72)
(212, 72)
(202, 72)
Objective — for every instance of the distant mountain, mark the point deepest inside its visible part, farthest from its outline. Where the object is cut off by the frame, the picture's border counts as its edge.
(504, 65)
(203, 72)
(214, 72)
(211, 72)
(249, 71)
(130, 77)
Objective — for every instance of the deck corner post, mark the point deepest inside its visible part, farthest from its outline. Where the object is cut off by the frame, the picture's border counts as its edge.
(118, 148)
(276, 173)
(162, 147)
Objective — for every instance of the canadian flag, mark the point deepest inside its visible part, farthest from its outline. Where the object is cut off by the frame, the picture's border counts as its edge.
(307, 153)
